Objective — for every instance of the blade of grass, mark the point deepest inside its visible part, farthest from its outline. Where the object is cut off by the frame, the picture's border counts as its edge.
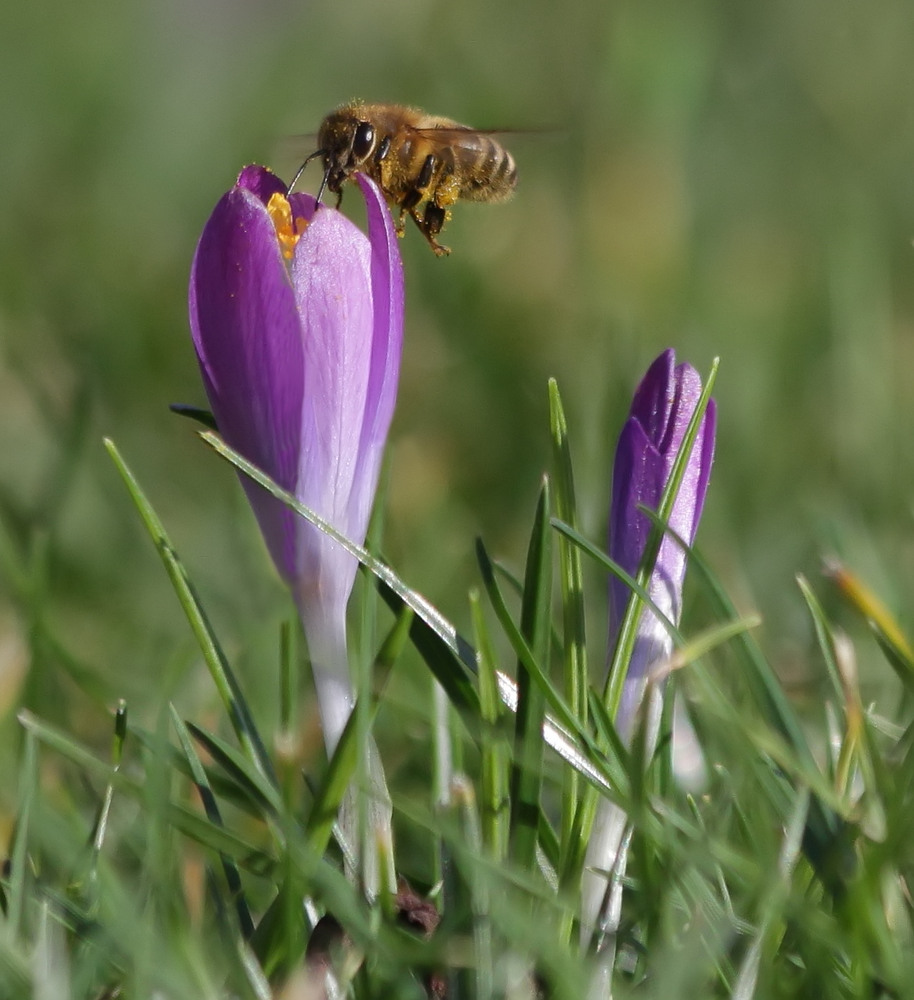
(527, 764)
(223, 783)
(493, 745)
(117, 752)
(507, 687)
(824, 636)
(477, 983)
(329, 794)
(227, 686)
(89, 885)
(858, 753)
(288, 676)
(198, 413)
(211, 808)
(238, 768)
(15, 900)
(571, 574)
(882, 623)
(603, 560)
(563, 733)
(287, 746)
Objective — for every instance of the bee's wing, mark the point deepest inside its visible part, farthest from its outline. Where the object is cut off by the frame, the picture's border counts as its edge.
(287, 148)
(456, 133)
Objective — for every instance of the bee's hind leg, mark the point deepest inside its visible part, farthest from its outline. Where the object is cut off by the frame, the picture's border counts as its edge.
(430, 226)
(445, 193)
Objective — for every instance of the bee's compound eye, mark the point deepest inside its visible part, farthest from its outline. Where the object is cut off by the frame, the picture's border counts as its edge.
(363, 141)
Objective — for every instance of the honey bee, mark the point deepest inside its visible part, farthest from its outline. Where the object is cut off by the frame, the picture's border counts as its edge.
(422, 163)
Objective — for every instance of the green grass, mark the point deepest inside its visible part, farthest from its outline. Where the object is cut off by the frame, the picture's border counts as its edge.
(191, 863)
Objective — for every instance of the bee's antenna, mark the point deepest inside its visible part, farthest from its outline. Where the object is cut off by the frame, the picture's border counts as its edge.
(301, 170)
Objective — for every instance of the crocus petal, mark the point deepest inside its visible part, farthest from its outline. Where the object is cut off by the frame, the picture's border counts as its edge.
(331, 281)
(247, 334)
(638, 472)
(262, 183)
(349, 291)
(387, 294)
(660, 414)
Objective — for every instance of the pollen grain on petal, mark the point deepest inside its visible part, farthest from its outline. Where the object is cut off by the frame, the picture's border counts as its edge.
(288, 229)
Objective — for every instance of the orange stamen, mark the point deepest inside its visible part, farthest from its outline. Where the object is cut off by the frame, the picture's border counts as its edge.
(288, 230)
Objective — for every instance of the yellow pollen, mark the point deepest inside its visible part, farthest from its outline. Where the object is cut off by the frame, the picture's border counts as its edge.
(288, 230)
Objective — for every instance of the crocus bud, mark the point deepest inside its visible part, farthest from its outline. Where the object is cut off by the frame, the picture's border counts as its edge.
(661, 411)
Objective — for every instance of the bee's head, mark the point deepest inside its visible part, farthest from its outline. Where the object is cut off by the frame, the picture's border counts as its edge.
(346, 141)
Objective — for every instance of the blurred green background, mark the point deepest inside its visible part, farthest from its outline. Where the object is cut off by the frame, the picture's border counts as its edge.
(730, 179)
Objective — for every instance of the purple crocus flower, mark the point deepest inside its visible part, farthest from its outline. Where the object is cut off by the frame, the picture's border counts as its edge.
(648, 445)
(661, 410)
(297, 319)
